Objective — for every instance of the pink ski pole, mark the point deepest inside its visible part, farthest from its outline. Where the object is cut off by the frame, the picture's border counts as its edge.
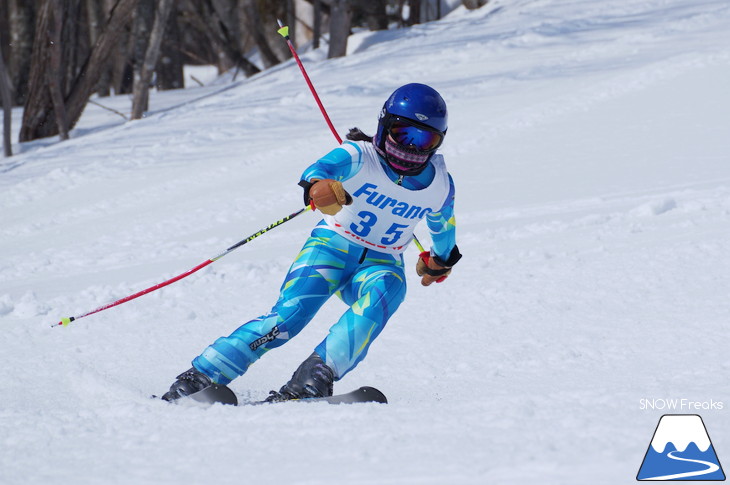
(284, 32)
(65, 321)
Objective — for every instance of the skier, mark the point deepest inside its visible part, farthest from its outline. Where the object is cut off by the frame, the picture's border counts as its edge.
(372, 192)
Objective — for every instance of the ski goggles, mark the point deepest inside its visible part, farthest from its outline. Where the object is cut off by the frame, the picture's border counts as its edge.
(407, 133)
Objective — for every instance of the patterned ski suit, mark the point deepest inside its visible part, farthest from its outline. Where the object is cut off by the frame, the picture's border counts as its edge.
(356, 254)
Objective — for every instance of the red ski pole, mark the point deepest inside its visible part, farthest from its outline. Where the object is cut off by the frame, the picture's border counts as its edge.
(65, 321)
(284, 32)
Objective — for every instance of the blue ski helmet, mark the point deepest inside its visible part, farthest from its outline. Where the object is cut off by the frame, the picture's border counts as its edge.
(411, 127)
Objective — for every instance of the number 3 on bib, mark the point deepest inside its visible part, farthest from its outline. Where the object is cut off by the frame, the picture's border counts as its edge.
(368, 220)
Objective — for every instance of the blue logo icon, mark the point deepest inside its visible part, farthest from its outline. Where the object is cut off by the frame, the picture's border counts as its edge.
(681, 450)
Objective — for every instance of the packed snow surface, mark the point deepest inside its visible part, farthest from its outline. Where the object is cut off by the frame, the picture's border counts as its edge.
(590, 145)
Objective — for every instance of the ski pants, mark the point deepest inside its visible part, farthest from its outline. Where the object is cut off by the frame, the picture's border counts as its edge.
(372, 284)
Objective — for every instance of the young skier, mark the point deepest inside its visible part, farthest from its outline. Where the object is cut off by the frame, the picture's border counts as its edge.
(372, 192)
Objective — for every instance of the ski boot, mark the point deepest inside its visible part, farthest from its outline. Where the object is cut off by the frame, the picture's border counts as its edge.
(189, 382)
(313, 378)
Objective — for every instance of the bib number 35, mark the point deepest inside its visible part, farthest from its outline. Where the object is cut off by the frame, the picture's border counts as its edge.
(368, 220)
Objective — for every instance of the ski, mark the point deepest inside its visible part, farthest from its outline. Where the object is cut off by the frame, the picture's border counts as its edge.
(362, 394)
(224, 395)
(215, 394)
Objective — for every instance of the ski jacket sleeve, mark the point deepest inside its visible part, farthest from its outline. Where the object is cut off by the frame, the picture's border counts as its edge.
(442, 226)
(340, 164)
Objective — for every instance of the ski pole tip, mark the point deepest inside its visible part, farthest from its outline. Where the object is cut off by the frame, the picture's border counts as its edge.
(64, 322)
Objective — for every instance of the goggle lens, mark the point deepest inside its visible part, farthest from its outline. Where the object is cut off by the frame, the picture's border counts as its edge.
(408, 135)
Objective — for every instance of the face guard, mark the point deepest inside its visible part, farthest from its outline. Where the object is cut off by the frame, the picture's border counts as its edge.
(409, 144)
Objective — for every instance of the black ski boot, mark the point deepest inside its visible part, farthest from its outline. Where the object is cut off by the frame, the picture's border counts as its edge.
(313, 378)
(189, 382)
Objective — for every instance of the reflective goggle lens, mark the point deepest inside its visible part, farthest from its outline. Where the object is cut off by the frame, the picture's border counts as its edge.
(408, 135)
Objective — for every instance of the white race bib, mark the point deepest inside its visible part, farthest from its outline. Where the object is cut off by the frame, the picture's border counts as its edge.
(383, 215)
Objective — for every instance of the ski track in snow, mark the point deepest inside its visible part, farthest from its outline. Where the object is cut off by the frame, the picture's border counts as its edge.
(588, 141)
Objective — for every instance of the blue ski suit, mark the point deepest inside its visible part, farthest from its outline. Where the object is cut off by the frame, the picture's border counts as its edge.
(356, 254)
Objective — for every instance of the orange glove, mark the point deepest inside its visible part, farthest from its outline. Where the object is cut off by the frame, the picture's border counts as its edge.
(328, 196)
(433, 269)
(430, 270)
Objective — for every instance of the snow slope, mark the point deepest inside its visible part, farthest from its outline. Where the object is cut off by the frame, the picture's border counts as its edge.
(589, 144)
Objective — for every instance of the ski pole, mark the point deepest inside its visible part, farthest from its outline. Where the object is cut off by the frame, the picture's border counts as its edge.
(284, 32)
(418, 244)
(66, 321)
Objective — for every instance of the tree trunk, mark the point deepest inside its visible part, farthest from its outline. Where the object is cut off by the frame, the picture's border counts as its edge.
(22, 30)
(474, 4)
(96, 12)
(170, 73)
(75, 49)
(120, 63)
(55, 75)
(317, 23)
(375, 13)
(5, 43)
(144, 19)
(39, 110)
(142, 84)
(115, 30)
(254, 25)
(291, 21)
(340, 23)
(227, 15)
(414, 12)
(6, 98)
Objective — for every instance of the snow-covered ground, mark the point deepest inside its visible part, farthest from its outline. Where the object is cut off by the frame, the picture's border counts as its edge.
(590, 144)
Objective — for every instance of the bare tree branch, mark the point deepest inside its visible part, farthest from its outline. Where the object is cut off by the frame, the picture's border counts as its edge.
(91, 101)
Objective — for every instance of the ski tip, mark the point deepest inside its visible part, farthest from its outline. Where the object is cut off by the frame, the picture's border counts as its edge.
(215, 394)
(374, 395)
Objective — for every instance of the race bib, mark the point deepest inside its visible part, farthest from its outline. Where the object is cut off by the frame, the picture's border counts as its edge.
(383, 215)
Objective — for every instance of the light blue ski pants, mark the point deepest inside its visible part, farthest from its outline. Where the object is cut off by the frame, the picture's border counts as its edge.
(370, 282)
